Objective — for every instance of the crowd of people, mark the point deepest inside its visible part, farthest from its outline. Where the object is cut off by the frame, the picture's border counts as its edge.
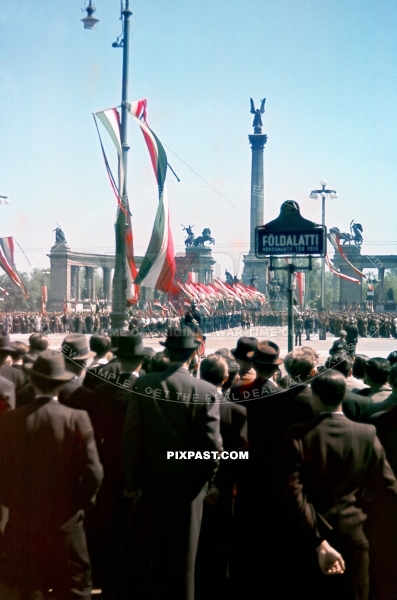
(151, 475)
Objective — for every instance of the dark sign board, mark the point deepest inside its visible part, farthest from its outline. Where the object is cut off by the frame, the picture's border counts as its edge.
(287, 243)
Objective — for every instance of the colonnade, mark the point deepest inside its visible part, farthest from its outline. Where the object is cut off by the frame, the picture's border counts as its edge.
(76, 291)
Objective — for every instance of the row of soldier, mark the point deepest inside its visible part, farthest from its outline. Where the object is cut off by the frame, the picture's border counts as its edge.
(153, 323)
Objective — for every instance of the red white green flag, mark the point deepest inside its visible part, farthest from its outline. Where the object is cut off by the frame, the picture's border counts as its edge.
(158, 266)
(110, 119)
(7, 262)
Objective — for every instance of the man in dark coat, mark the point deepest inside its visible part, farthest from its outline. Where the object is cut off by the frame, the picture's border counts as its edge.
(76, 353)
(50, 473)
(107, 522)
(309, 324)
(216, 535)
(170, 414)
(246, 373)
(15, 372)
(7, 387)
(253, 507)
(352, 335)
(340, 344)
(327, 492)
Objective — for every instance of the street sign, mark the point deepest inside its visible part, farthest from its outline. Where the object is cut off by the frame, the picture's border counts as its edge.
(303, 242)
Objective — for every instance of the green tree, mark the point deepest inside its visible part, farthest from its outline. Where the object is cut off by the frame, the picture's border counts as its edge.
(391, 282)
(15, 300)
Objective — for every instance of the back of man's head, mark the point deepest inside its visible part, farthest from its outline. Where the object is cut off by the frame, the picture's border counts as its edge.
(392, 358)
(360, 361)
(38, 343)
(393, 376)
(377, 370)
(100, 344)
(301, 363)
(213, 369)
(340, 361)
(329, 387)
(20, 349)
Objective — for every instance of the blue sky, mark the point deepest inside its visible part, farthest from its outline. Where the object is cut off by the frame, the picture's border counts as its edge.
(327, 69)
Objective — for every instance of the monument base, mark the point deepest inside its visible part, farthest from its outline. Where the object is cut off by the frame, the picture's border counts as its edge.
(255, 266)
(201, 264)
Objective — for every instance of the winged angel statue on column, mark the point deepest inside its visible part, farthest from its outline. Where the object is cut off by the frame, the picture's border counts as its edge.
(257, 124)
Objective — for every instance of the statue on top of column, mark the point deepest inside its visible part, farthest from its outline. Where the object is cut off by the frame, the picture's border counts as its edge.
(257, 124)
(59, 235)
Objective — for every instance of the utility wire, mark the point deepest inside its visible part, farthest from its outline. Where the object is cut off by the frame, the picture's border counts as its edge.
(205, 181)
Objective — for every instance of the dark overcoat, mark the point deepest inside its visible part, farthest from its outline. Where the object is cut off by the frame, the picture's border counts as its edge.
(50, 474)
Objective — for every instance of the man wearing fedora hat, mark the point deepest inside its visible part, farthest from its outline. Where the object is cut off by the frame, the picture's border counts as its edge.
(76, 354)
(111, 397)
(50, 473)
(246, 373)
(15, 372)
(169, 411)
(7, 387)
(255, 501)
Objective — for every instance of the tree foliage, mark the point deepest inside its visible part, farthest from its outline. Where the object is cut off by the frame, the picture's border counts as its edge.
(16, 299)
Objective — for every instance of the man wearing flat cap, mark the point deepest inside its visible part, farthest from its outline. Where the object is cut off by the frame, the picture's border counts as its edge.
(50, 474)
(170, 411)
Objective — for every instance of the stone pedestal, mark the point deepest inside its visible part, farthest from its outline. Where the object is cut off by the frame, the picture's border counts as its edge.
(202, 263)
(251, 263)
(60, 277)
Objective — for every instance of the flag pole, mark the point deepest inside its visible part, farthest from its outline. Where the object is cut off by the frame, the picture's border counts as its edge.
(119, 316)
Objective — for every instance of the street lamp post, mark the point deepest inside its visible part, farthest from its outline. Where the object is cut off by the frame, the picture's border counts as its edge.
(4, 200)
(324, 193)
(118, 316)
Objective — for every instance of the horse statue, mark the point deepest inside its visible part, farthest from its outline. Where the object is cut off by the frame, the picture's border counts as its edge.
(355, 235)
(205, 237)
(190, 235)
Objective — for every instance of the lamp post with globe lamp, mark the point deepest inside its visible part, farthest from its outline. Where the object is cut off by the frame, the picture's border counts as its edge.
(4, 200)
(118, 316)
(323, 193)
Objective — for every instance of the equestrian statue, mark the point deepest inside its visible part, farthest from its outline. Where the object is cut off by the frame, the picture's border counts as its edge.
(355, 235)
(205, 237)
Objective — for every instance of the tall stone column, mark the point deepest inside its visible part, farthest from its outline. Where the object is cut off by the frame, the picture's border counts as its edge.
(73, 282)
(381, 285)
(252, 265)
(78, 284)
(257, 142)
(90, 282)
(106, 285)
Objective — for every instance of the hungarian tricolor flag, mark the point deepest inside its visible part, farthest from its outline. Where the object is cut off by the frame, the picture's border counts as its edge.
(158, 266)
(110, 119)
(7, 262)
